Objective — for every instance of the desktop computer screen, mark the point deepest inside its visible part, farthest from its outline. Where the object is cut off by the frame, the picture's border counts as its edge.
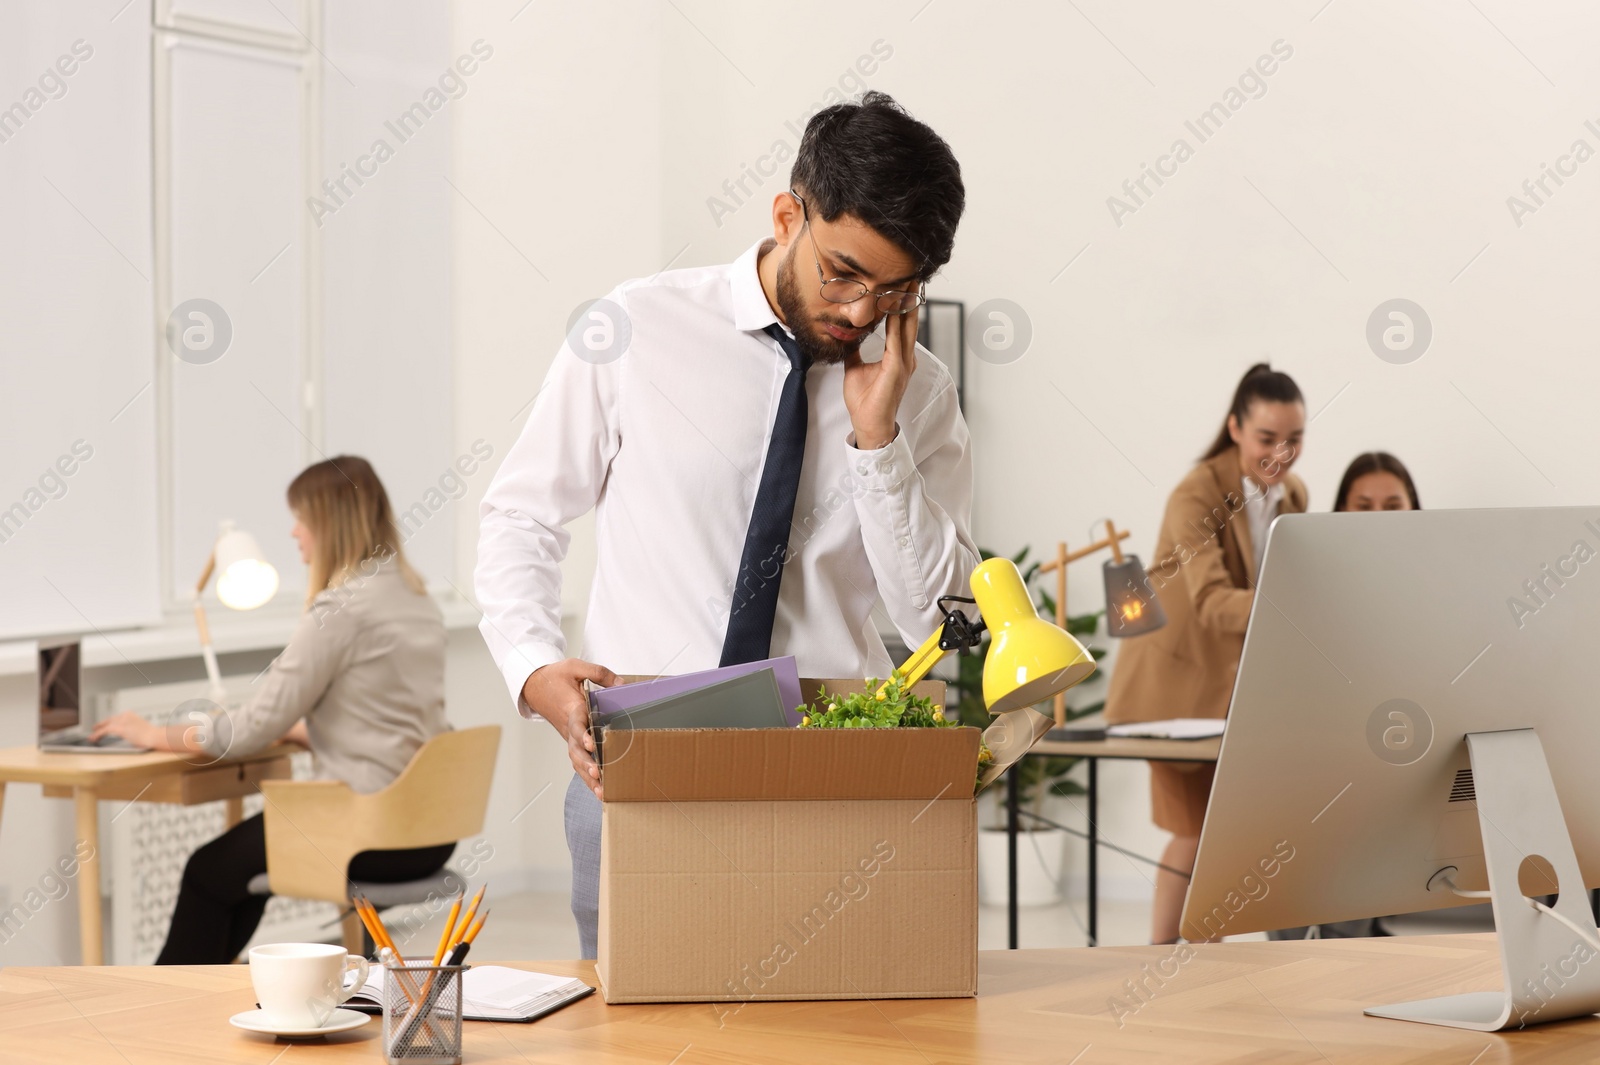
(1347, 786)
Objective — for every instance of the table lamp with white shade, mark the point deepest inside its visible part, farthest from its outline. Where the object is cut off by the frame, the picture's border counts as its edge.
(245, 580)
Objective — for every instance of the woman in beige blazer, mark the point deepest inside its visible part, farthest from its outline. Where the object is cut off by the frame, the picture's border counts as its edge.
(1206, 560)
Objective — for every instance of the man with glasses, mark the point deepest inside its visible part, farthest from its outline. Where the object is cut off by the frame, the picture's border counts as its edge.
(759, 487)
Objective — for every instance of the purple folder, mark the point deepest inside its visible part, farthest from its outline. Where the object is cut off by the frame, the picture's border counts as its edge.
(607, 701)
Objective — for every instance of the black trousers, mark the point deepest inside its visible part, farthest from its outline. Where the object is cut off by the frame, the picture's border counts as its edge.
(216, 915)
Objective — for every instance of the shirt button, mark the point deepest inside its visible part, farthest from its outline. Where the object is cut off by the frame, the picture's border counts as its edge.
(886, 466)
(861, 467)
(905, 541)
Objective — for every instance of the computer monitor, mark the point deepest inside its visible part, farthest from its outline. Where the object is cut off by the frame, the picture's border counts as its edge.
(1346, 785)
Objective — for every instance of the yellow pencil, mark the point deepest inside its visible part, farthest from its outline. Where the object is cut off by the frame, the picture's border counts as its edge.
(449, 926)
(466, 922)
(366, 923)
(388, 940)
(473, 934)
(373, 926)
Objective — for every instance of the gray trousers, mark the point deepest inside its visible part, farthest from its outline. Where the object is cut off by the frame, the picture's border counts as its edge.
(581, 813)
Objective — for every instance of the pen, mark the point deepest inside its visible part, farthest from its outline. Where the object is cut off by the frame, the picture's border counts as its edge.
(407, 1036)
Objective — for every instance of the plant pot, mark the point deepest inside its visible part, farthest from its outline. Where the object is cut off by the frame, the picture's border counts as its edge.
(1039, 860)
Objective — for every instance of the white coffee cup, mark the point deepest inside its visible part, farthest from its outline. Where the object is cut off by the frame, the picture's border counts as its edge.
(299, 985)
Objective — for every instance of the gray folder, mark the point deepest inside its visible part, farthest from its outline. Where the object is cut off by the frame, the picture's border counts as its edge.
(750, 701)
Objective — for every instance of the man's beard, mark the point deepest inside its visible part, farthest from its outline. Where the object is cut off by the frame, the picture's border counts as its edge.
(814, 341)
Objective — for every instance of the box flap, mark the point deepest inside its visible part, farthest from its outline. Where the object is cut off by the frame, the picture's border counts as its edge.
(707, 765)
(1010, 736)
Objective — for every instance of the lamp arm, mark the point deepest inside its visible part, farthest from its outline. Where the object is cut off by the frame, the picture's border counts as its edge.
(205, 575)
(207, 652)
(1113, 536)
(1099, 545)
(923, 659)
(957, 633)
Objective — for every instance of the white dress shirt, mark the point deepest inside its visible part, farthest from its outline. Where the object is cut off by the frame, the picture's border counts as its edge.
(1260, 508)
(666, 443)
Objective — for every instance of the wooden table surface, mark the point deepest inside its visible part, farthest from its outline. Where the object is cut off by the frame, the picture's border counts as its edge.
(1229, 1002)
(29, 765)
(1205, 750)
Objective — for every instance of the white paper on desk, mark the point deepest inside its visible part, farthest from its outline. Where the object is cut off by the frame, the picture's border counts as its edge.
(502, 988)
(496, 992)
(1177, 728)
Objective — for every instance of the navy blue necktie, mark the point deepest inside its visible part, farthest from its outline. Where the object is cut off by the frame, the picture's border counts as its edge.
(766, 543)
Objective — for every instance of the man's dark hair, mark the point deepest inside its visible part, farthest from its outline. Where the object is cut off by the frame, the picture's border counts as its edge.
(872, 160)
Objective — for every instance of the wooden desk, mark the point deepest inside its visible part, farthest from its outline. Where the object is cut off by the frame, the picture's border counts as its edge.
(174, 778)
(1291, 1002)
(1093, 750)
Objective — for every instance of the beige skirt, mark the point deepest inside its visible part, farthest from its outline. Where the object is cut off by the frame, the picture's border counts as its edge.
(1179, 792)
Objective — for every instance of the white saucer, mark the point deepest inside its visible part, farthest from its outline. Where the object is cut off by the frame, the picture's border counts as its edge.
(338, 1021)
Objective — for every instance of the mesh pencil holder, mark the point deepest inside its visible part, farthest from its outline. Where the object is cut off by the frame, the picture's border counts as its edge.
(422, 1013)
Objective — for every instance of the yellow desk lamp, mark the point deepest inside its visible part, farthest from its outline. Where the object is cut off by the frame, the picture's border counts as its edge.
(245, 580)
(1029, 658)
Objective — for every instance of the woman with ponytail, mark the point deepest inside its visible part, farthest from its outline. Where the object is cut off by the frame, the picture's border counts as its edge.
(1206, 560)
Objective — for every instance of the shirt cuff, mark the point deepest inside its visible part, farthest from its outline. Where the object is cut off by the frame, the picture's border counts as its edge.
(882, 470)
(519, 665)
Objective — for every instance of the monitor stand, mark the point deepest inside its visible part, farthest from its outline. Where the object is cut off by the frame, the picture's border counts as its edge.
(1551, 973)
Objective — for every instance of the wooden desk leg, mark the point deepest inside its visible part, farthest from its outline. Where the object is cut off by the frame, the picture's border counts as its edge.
(91, 934)
(232, 812)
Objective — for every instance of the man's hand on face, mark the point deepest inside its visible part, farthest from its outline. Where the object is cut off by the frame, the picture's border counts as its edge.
(873, 390)
(555, 692)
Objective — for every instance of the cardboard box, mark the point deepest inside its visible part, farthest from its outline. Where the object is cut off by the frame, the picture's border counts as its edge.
(757, 864)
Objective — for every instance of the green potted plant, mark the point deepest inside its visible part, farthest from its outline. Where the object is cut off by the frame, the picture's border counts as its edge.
(1043, 848)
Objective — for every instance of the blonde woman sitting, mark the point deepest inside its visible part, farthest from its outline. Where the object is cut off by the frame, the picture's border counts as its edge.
(361, 683)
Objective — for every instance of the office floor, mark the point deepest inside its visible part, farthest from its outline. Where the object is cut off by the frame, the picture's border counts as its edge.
(535, 925)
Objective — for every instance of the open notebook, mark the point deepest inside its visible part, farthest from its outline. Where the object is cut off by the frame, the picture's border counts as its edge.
(493, 993)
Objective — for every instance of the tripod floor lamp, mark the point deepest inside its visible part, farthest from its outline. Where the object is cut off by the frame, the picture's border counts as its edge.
(1132, 608)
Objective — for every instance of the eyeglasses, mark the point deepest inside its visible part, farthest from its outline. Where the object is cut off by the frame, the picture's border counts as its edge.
(844, 290)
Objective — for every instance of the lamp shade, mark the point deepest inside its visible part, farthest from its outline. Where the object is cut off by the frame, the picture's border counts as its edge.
(1029, 659)
(1132, 607)
(245, 579)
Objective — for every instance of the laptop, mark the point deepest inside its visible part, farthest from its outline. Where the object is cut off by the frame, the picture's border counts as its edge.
(62, 729)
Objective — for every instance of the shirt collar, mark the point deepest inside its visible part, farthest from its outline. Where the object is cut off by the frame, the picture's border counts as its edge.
(751, 311)
(1267, 500)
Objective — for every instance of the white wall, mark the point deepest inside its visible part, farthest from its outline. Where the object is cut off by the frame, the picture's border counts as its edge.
(557, 175)
(557, 162)
(1376, 164)
(1390, 139)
